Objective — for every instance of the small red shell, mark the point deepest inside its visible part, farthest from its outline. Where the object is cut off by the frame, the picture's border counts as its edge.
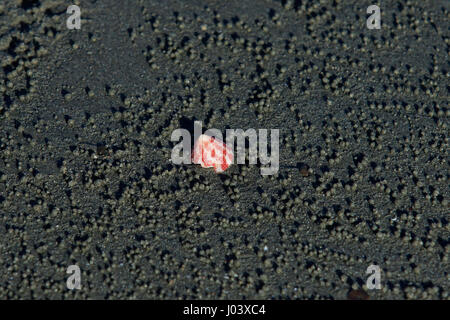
(211, 152)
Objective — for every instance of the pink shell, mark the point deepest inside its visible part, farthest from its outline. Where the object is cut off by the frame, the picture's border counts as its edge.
(211, 152)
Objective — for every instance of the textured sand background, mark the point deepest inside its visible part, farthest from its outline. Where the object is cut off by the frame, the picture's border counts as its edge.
(85, 123)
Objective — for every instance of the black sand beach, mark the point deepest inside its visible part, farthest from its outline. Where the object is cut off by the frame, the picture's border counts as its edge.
(86, 179)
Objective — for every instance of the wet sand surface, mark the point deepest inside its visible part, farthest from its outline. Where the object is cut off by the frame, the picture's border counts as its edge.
(86, 118)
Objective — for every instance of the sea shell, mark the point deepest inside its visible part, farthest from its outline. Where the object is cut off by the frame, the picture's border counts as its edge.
(212, 152)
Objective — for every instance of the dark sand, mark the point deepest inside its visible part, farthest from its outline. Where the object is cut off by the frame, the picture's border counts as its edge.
(85, 123)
